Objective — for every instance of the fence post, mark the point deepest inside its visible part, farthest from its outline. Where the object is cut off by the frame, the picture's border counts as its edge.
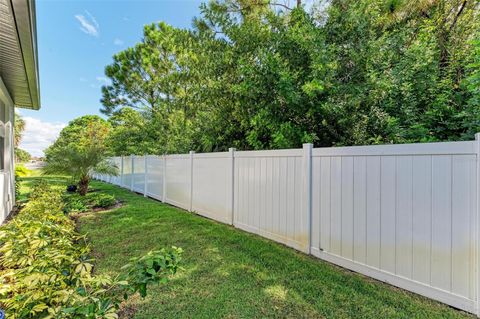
(191, 181)
(145, 175)
(121, 171)
(231, 152)
(307, 189)
(132, 172)
(164, 195)
(477, 224)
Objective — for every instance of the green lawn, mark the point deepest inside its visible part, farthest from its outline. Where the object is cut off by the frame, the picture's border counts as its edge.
(229, 273)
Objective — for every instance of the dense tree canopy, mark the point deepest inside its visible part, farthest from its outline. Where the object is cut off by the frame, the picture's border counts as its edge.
(80, 149)
(253, 74)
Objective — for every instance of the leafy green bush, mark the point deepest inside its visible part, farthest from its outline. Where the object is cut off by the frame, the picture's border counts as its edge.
(17, 186)
(22, 171)
(75, 203)
(46, 269)
(101, 200)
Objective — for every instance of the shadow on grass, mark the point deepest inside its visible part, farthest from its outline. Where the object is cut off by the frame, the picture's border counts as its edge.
(229, 273)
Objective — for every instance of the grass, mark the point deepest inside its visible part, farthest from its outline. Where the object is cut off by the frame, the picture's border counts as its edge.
(229, 273)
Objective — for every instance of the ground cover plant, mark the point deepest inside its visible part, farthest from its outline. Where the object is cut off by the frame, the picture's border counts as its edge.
(46, 266)
(232, 274)
(75, 203)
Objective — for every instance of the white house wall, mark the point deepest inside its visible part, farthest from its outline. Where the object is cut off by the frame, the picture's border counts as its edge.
(7, 174)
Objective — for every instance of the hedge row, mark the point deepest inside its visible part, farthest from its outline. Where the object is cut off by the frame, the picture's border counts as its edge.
(46, 269)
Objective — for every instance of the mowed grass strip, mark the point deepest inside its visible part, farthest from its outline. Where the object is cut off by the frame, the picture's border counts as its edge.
(229, 273)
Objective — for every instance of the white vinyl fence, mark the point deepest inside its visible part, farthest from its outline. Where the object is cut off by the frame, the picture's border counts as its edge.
(405, 214)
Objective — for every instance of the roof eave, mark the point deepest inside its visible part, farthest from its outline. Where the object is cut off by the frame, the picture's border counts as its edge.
(25, 20)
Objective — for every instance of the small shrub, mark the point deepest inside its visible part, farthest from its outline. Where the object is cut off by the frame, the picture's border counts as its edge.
(22, 171)
(102, 200)
(18, 184)
(74, 203)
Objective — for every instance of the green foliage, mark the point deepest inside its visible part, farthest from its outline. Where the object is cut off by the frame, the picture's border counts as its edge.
(18, 185)
(102, 200)
(74, 203)
(80, 149)
(46, 268)
(257, 76)
(22, 171)
(22, 156)
(18, 129)
(151, 268)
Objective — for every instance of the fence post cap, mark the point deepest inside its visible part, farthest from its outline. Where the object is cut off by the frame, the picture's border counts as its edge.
(232, 149)
(307, 145)
(477, 136)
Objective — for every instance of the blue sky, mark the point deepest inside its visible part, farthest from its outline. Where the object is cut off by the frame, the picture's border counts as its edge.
(76, 40)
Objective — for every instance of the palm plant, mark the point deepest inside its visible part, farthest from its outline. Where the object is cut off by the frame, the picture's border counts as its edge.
(79, 165)
(79, 158)
(19, 128)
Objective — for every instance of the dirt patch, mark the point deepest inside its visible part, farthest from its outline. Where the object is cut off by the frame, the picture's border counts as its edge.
(16, 209)
(91, 213)
(127, 308)
(118, 204)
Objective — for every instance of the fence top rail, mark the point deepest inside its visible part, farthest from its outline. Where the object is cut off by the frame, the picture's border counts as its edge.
(177, 156)
(297, 152)
(440, 148)
(212, 155)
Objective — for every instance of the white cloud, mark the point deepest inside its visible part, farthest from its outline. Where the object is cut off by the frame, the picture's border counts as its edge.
(88, 24)
(38, 135)
(118, 41)
(102, 79)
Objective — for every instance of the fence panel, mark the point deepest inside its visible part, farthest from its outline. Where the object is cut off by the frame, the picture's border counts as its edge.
(117, 161)
(401, 214)
(212, 182)
(138, 174)
(155, 169)
(268, 196)
(127, 172)
(177, 179)
(405, 214)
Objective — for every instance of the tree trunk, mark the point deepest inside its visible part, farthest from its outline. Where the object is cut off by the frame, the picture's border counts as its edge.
(83, 185)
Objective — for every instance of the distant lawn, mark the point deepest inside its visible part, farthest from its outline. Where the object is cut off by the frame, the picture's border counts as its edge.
(229, 273)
